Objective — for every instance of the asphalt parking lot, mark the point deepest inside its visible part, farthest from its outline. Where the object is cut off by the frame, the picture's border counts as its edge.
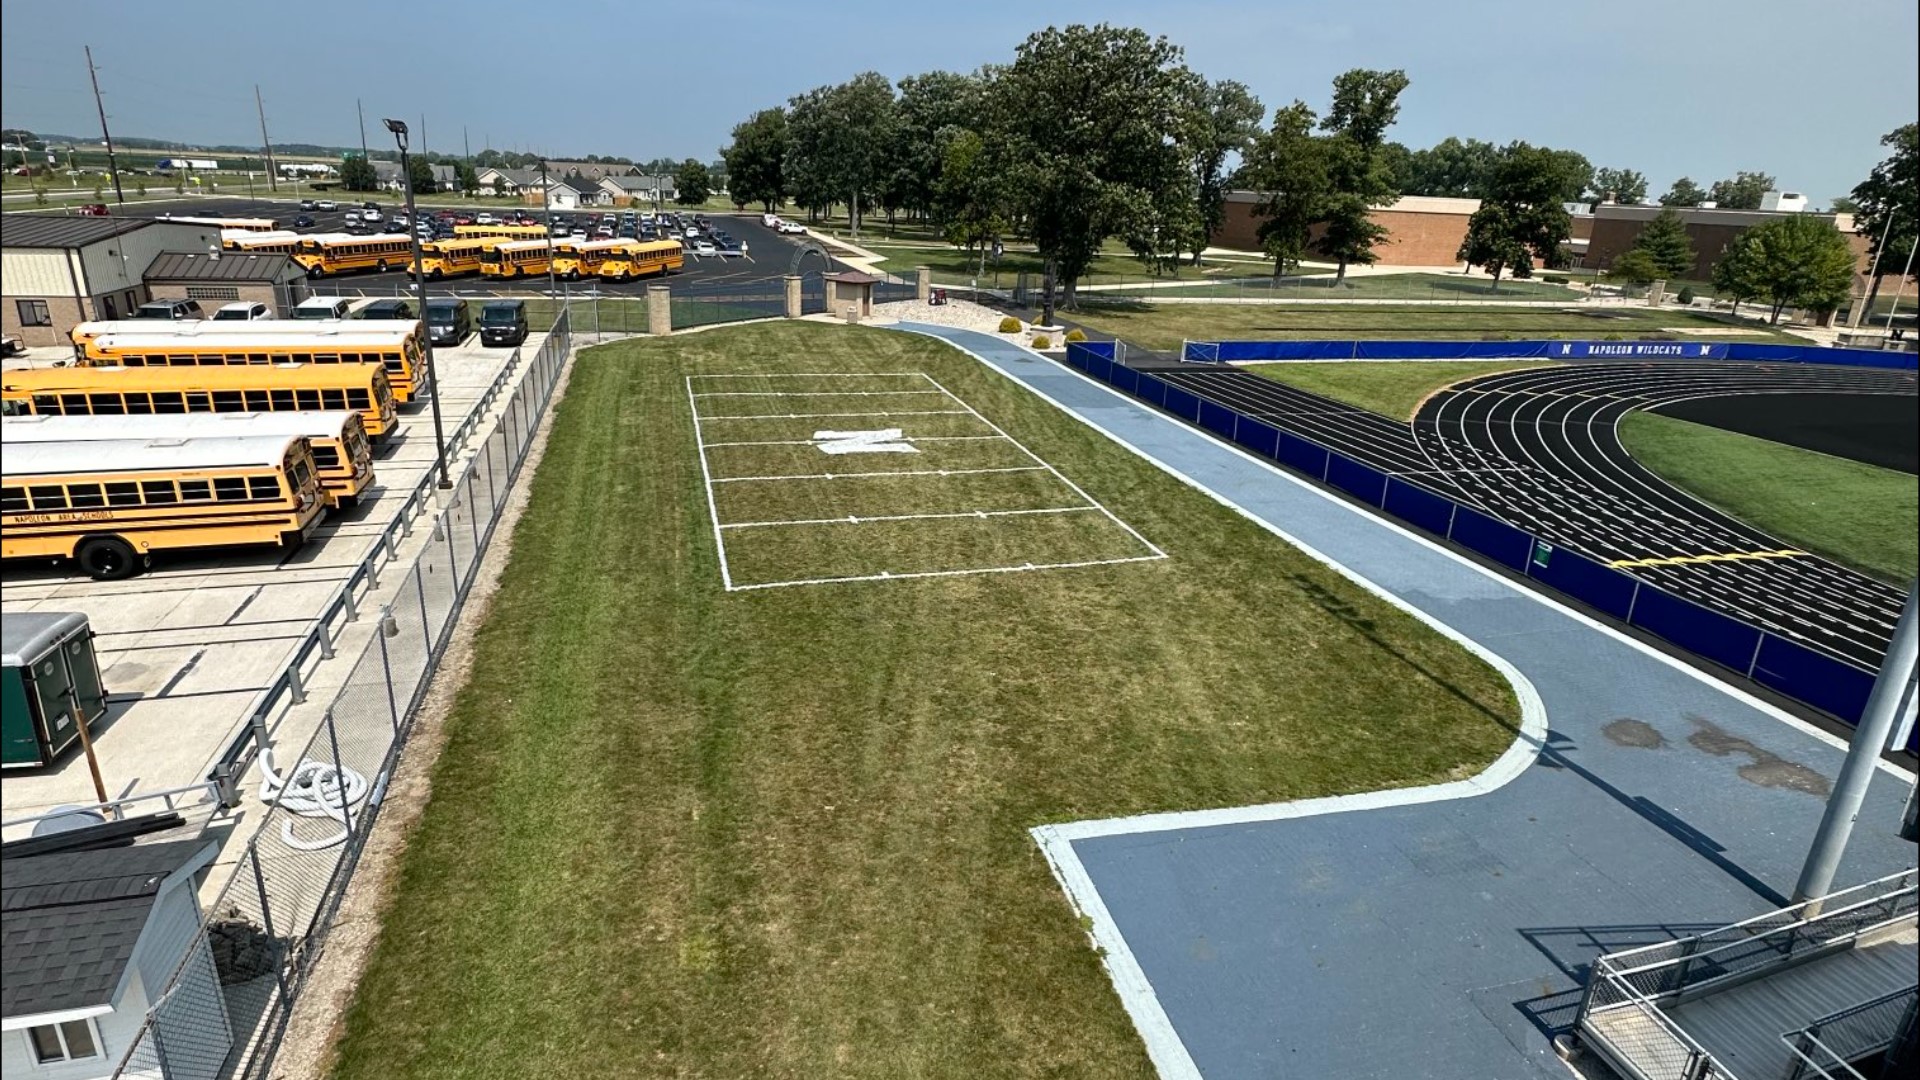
(769, 255)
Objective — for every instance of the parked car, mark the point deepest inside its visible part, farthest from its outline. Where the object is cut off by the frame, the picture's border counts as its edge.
(304, 221)
(483, 218)
(397, 224)
(242, 311)
(12, 346)
(705, 247)
(690, 233)
(503, 323)
(791, 228)
(389, 308)
(322, 307)
(444, 215)
(353, 216)
(327, 205)
(169, 309)
(94, 210)
(463, 219)
(604, 232)
(370, 205)
(308, 204)
(771, 221)
(449, 320)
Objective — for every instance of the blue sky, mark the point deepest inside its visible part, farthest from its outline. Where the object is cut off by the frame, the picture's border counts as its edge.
(1701, 87)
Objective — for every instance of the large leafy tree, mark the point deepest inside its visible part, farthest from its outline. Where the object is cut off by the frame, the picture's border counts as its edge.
(1799, 260)
(929, 104)
(1742, 192)
(807, 169)
(1890, 196)
(356, 173)
(757, 157)
(692, 183)
(840, 139)
(1226, 119)
(420, 176)
(1733, 273)
(1453, 169)
(1668, 249)
(969, 195)
(1625, 186)
(466, 177)
(1522, 217)
(1684, 193)
(1085, 121)
(1288, 166)
(1365, 104)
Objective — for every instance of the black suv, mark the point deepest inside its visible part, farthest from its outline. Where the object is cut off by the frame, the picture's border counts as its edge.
(449, 321)
(503, 322)
(388, 309)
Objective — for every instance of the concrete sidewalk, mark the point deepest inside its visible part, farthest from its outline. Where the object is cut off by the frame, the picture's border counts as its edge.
(1440, 932)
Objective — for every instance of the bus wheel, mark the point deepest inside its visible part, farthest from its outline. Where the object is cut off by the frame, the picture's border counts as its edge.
(383, 266)
(316, 271)
(433, 275)
(107, 558)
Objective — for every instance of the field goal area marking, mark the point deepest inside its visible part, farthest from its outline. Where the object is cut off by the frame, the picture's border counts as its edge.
(917, 384)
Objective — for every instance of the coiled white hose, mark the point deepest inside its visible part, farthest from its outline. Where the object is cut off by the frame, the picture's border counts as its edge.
(311, 789)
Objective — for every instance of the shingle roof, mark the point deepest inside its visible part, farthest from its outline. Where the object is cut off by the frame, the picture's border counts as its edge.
(230, 266)
(61, 231)
(583, 186)
(69, 921)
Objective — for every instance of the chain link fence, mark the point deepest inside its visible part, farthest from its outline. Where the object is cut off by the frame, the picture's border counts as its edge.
(221, 1012)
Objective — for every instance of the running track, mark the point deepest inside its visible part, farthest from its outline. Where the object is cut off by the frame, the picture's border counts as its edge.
(1539, 448)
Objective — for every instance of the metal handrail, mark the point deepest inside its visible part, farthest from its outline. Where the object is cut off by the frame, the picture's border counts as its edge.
(1633, 997)
(1803, 1041)
(1903, 883)
(206, 788)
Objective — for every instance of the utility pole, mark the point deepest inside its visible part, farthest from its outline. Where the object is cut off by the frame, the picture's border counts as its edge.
(113, 163)
(1885, 705)
(1873, 275)
(1904, 275)
(362, 114)
(466, 148)
(273, 178)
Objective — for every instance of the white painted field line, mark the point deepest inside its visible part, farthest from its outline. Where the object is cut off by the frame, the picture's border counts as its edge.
(870, 475)
(706, 475)
(883, 576)
(885, 412)
(815, 442)
(1058, 475)
(814, 393)
(851, 519)
(819, 375)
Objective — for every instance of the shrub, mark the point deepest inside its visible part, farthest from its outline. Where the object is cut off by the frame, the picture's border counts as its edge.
(1076, 334)
(1043, 342)
(1686, 295)
(1496, 337)
(1009, 325)
(1554, 279)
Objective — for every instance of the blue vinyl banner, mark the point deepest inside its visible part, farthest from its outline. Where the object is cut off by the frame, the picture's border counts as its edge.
(1254, 351)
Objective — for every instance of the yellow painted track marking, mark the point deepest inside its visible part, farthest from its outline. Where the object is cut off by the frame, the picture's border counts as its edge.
(1685, 560)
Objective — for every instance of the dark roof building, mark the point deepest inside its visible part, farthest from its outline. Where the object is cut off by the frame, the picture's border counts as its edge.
(227, 266)
(57, 271)
(229, 277)
(61, 231)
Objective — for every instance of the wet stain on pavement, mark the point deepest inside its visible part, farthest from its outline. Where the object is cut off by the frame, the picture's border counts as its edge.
(1627, 731)
(1766, 768)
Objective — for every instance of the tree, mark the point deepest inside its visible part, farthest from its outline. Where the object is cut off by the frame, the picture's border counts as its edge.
(1799, 260)
(1625, 186)
(969, 197)
(420, 176)
(1891, 194)
(139, 187)
(1084, 126)
(356, 174)
(1226, 119)
(929, 104)
(466, 178)
(1453, 169)
(1743, 192)
(22, 137)
(1844, 204)
(1287, 165)
(99, 188)
(691, 183)
(840, 141)
(1522, 217)
(1733, 276)
(1635, 266)
(1668, 249)
(756, 157)
(1365, 104)
(1683, 193)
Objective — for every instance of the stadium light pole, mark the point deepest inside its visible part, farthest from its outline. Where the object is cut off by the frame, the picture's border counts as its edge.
(546, 212)
(399, 129)
(1885, 705)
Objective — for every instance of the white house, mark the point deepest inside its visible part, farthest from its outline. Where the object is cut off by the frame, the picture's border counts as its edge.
(88, 941)
(507, 181)
(625, 190)
(572, 194)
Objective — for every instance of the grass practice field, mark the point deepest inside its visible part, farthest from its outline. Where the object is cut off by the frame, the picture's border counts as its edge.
(1853, 513)
(1390, 388)
(1165, 326)
(683, 830)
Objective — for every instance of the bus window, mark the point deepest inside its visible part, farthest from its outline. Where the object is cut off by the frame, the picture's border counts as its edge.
(159, 492)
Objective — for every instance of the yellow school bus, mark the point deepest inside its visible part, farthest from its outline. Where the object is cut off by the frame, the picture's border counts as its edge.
(109, 505)
(339, 253)
(574, 258)
(275, 242)
(397, 345)
(515, 258)
(223, 224)
(510, 232)
(642, 258)
(450, 258)
(342, 456)
(124, 391)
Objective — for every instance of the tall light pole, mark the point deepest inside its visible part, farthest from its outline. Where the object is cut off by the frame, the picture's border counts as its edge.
(546, 203)
(399, 129)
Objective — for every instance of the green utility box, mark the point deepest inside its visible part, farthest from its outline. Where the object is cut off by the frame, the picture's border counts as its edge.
(48, 668)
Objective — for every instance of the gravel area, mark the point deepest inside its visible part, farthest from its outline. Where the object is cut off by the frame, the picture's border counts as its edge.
(964, 314)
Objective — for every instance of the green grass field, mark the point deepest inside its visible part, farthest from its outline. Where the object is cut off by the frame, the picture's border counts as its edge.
(1165, 326)
(1865, 517)
(684, 832)
(1388, 388)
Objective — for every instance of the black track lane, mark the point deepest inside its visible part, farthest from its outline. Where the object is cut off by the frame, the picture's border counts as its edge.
(1539, 448)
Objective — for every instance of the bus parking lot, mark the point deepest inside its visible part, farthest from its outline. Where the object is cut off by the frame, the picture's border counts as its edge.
(189, 648)
(768, 255)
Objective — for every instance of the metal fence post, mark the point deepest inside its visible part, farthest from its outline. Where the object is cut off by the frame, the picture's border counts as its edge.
(386, 665)
(426, 625)
(346, 812)
(473, 518)
(266, 911)
(159, 1047)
